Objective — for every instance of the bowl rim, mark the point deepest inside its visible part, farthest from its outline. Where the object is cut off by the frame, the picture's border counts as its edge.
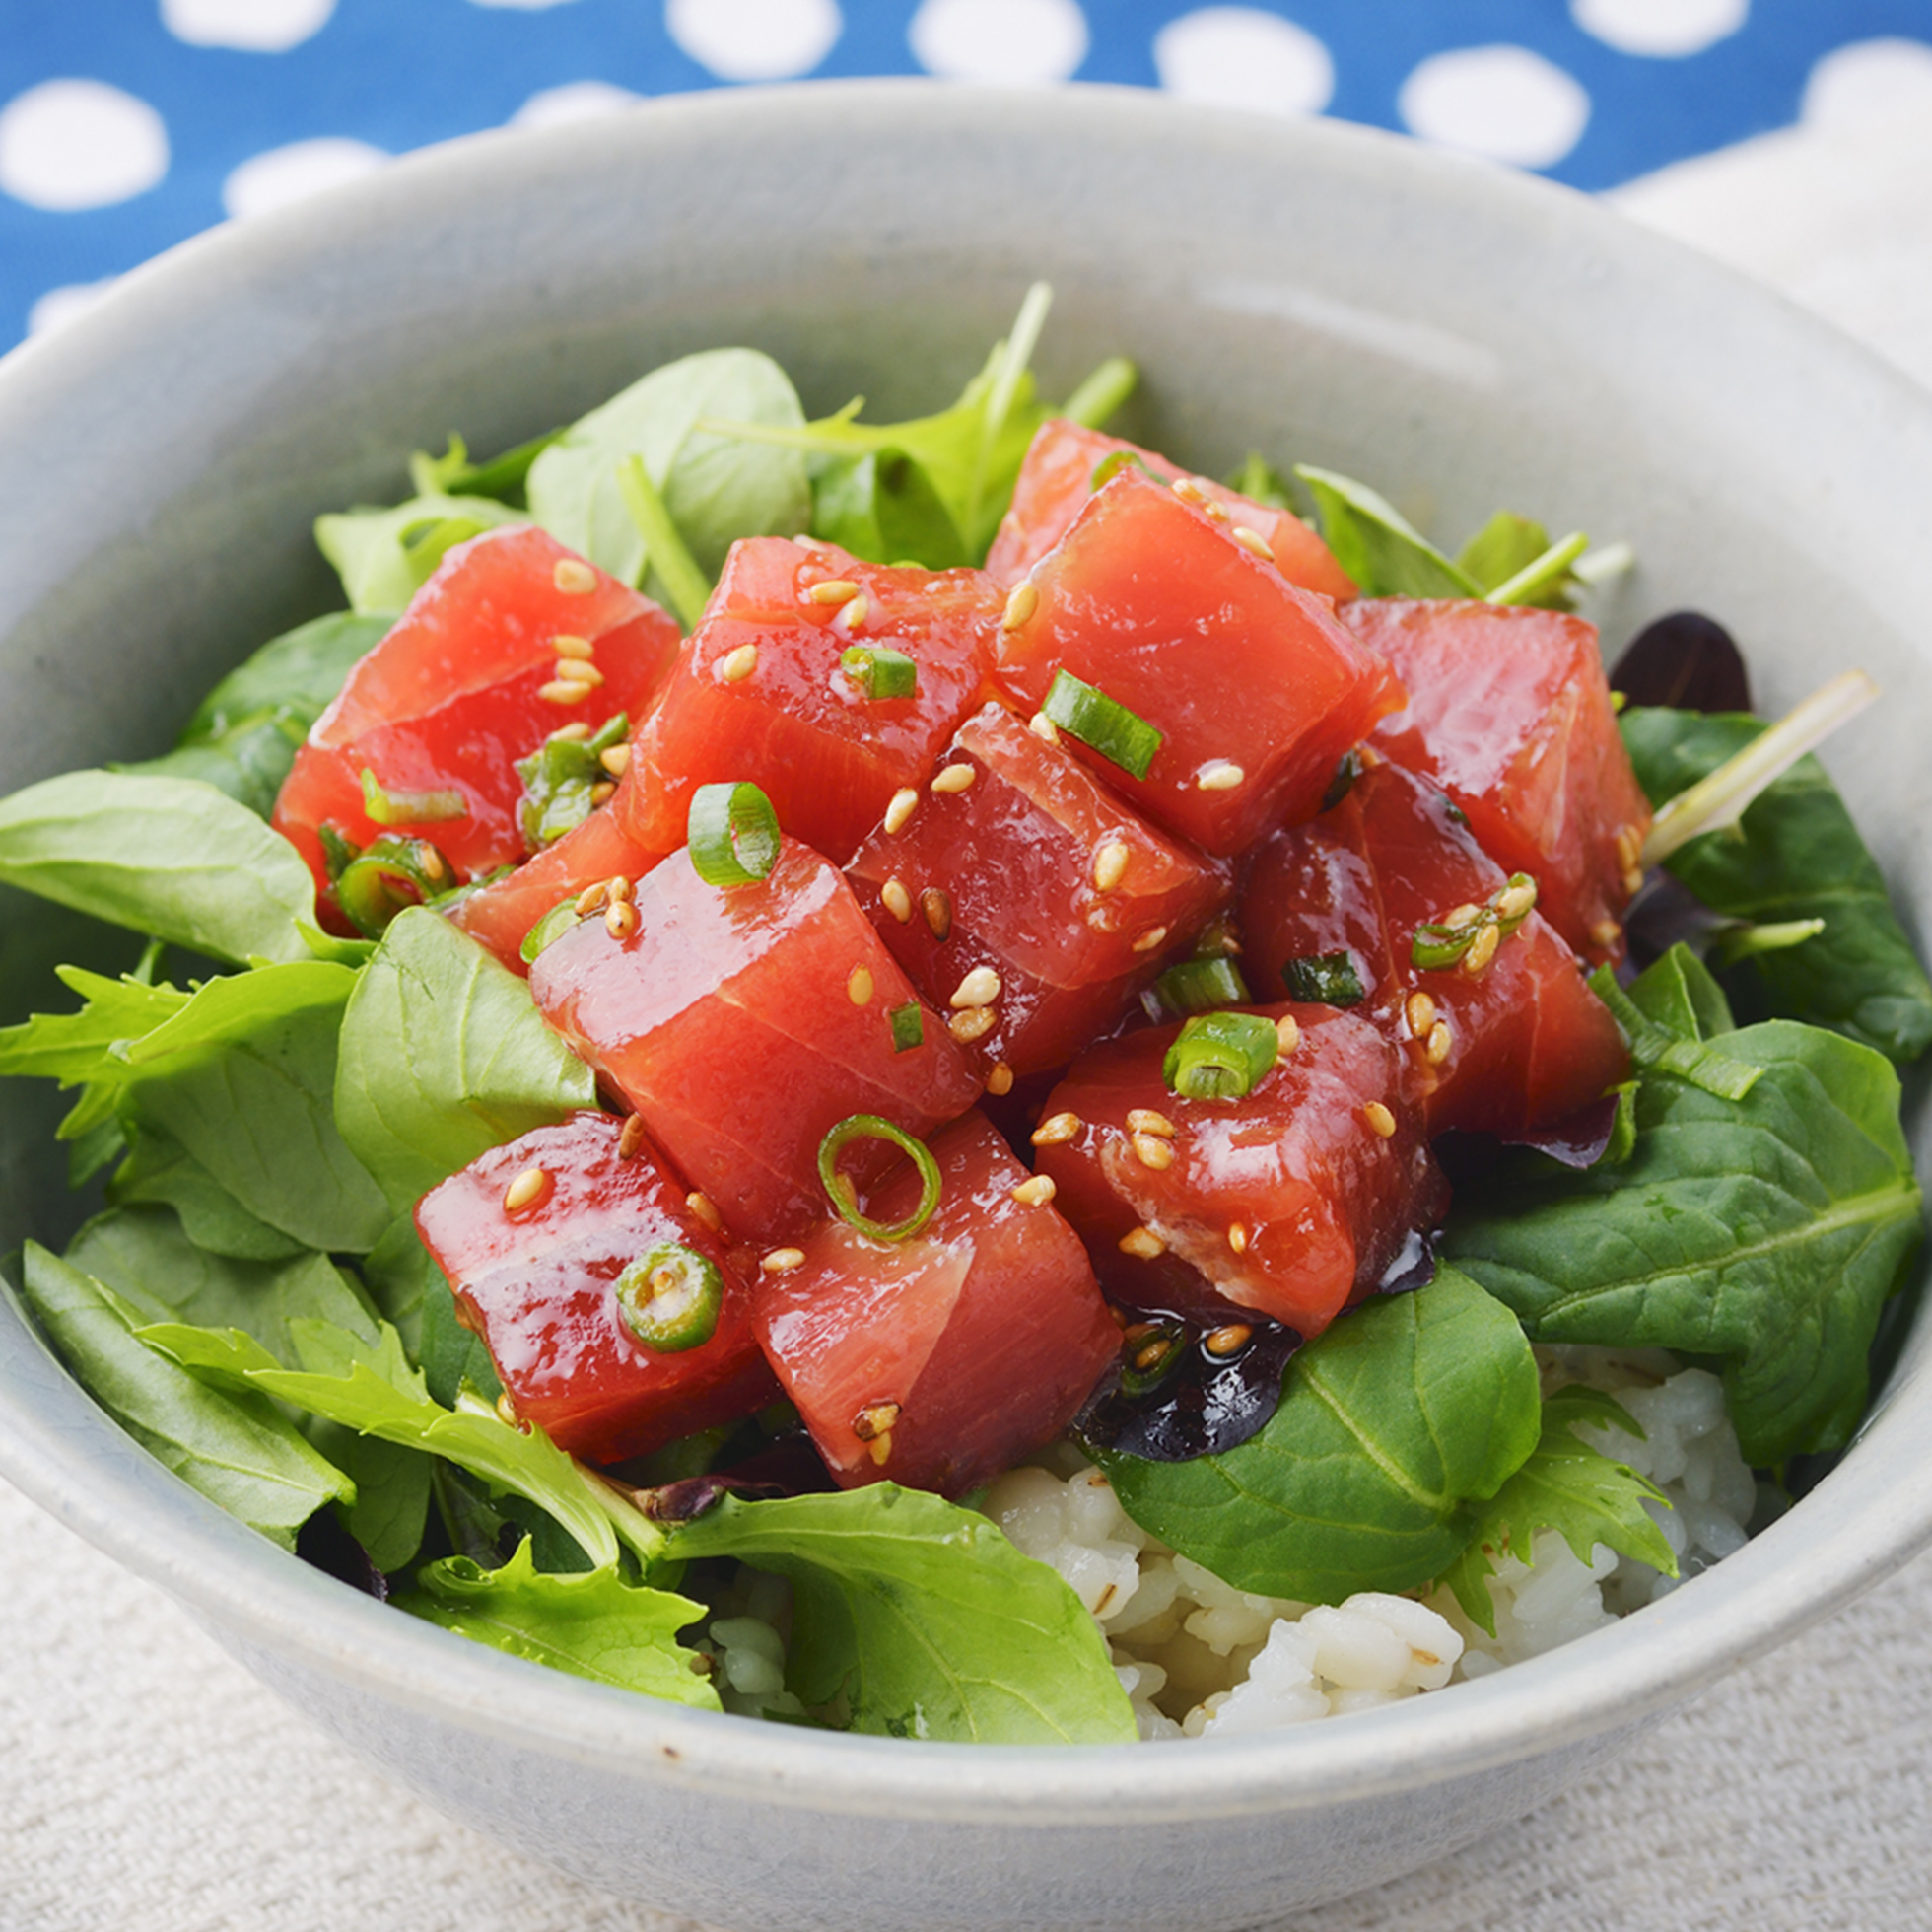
(230, 1579)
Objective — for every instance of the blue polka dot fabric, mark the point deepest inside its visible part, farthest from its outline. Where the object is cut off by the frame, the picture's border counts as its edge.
(126, 125)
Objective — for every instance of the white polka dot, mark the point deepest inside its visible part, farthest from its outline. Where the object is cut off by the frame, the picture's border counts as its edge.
(1867, 79)
(1016, 42)
(78, 144)
(1242, 58)
(253, 26)
(1666, 30)
(60, 306)
(1502, 101)
(575, 101)
(280, 176)
(754, 39)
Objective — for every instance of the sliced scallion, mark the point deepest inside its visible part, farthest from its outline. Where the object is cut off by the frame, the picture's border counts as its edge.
(1102, 723)
(838, 1191)
(1110, 467)
(1221, 1056)
(1199, 985)
(908, 1026)
(880, 672)
(671, 1296)
(386, 876)
(554, 924)
(1324, 979)
(389, 807)
(732, 833)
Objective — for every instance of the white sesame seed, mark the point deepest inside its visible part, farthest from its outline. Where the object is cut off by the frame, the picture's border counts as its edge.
(1035, 1192)
(972, 1024)
(1110, 865)
(1237, 1237)
(574, 732)
(980, 988)
(858, 986)
(590, 899)
(897, 900)
(1218, 511)
(834, 591)
(582, 674)
(603, 791)
(1605, 934)
(615, 759)
(1253, 541)
(1043, 726)
(1438, 1049)
(1481, 949)
(1463, 915)
(880, 1449)
(904, 803)
(1055, 1129)
(620, 919)
(563, 691)
(1151, 1150)
(1224, 1340)
(999, 1078)
(937, 910)
(1144, 1119)
(1380, 1120)
(1142, 1243)
(1021, 602)
(781, 1261)
(619, 887)
(570, 647)
(875, 1420)
(703, 1207)
(527, 1190)
(630, 1138)
(852, 614)
(1420, 1012)
(737, 666)
(573, 577)
(1516, 902)
(1223, 775)
(955, 778)
(1287, 1031)
(1188, 490)
(1150, 939)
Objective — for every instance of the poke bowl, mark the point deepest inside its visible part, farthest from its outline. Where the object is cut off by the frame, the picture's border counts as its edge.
(1460, 336)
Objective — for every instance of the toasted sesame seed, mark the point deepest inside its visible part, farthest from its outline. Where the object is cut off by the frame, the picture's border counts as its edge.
(1481, 949)
(1188, 490)
(1380, 1120)
(999, 1078)
(905, 802)
(1055, 1129)
(529, 1187)
(955, 778)
(980, 988)
(1133, 1332)
(1110, 863)
(630, 1141)
(1438, 1049)
(1151, 1150)
(1144, 1119)
(1035, 1192)
(1223, 775)
(573, 577)
(569, 647)
(1253, 541)
(852, 614)
(572, 671)
(1023, 601)
(1153, 1355)
(592, 899)
(574, 732)
(1237, 1237)
(603, 791)
(1219, 511)
(737, 666)
(1418, 1009)
(781, 1261)
(875, 1420)
(1042, 727)
(1225, 1340)
(858, 986)
(1515, 902)
(1633, 882)
(563, 691)
(1119, 1315)
(620, 919)
(506, 1409)
(880, 1449)
(1630, 847)
(1463, 915)
(935, 907)
(705, 1210)
(1150, 939)
(897, 900)
(1288, 1032)
(433, 865)
(619, 887)
(834, 591)
(974, 1023)
(615, 759)
(1142, 1243)
(1605, 934)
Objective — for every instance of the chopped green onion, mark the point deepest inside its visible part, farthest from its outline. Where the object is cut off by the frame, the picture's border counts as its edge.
(559, 779)
(1107, 728)
(554, 924)
(1438, 945)
(733, 832)
(1435, 948)
(409, 807)
(1111, 466)
(386, 878)
(1169, 1339)
(881, 672)
(1199, 985)
(1221, 1056)
(1656, 1049)
(669, 1297)
(1324, 979)
(908, 1025)
(838, 1191)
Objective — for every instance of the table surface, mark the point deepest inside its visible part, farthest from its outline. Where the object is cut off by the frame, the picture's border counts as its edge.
(148, 1783)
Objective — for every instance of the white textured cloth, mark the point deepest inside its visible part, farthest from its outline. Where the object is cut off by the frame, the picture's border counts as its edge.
(149, 1784)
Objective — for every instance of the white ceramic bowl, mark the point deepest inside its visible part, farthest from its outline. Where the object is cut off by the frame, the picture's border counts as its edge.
(1463, 337)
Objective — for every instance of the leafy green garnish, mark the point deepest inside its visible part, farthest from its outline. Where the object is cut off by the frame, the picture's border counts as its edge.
(385, 556)
(1569, 1486)
(1385, 554)
(1394, 1426)
(559, 776)
(1669, 1015)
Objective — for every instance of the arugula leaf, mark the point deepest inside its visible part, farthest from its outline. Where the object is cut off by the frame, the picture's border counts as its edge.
(717, 488)
(1393, 1425)
(235, 1449)
(1765, 1232)
(1796, 856)
(592, 1625)
(1569, 1486)
(444, 1056)
(169, 856)
(385, 556)
(925, 1616)
(77, 1049)
(1377, 545)
(243, 735)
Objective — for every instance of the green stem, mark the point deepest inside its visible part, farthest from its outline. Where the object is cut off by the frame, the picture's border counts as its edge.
(1540, 571)
(686, 584)
(1101, 393)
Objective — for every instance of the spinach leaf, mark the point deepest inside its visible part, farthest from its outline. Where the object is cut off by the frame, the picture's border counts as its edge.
(383, 557)
(410, 1290)
(169, 856)
(1668, 1017)
(1393, 1427)
(1765, 1232)
(930, 1620)
(444, 1056)
(160, 1171)
(1569, 1486)
(883, 506)
(717, 488)
(236, 1450)
(1796, 856)
(243, 735)
(1377, 545)
(592, 1625)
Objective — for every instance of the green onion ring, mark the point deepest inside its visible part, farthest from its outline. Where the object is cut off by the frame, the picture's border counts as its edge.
(874, 1127)
(669, 1297)
(1102, 723)
(733, 832)
(1221, 1056)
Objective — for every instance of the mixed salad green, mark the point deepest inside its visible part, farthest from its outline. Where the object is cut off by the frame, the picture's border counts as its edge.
(264, 1104)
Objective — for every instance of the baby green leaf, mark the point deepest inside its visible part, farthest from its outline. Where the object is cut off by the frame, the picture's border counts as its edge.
(444, 1056)
(1377, 545)
(592, 1625)
(1569, 1486)
(925, 1616)
(883, 506)
(1402, 1417)
(383, 557)
(1765, 1232)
